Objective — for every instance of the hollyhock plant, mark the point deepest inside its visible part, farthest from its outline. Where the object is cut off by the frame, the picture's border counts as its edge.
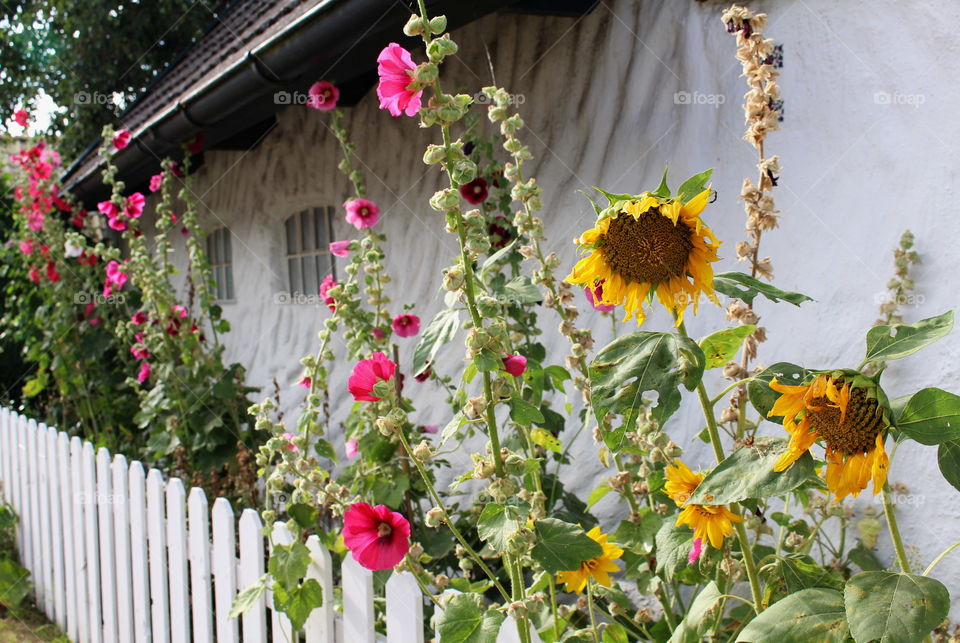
(144, 373)
(26, 247)
(139, 351)
(351, 448)
(291, 445)
(395, 66)
(475, 192)
(695, 551)
(179, 311)
(87, 259)
(595, 297)
(325, 287)
(121, 139)
(196, 145)
(139, 318)
(362, 213)
(367, 373)
(339, 248)
(156, 181)
(305, 382)
(377, 537)
(323, 95)
(378, 333)
(33, 274)
(134, 207)
(116, 278)
(406, 325)
(515, 364)
(21, 117)
(52, 273)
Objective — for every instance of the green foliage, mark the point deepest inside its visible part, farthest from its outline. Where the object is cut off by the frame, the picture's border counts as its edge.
(438, 332)
(895, 607)
(948, 458)
(700, 616)
(562, 546)
(498, 522)
(763, 397)
(899, 340)
(746, 288)
(467, 619)
(720, 347)
(809, 615)
(931, 416)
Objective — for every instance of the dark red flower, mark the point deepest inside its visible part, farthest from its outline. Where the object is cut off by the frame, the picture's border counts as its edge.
(475, 191)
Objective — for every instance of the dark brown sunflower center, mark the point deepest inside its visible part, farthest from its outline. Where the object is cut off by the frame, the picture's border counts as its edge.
(857, 432)
(648, 249)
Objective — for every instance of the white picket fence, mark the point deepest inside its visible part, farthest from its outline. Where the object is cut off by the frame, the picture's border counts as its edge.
(118, 554)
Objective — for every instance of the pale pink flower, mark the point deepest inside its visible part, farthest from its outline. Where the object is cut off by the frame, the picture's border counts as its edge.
(305, 382)
(362, 213)
(156, 181)
(339, 248)
(352, 448)
(696, 550)
(290, 444)
(394, 65)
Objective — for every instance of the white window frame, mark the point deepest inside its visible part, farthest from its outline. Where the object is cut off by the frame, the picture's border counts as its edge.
(220, 257)
(307, 235)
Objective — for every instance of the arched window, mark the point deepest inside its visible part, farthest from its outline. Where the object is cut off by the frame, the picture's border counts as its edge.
(308, 254)
(220, 256)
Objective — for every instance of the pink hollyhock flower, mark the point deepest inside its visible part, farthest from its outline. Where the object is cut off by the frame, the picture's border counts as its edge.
(179, 310)
(352, 448)
(325, 287)
(33, 274)
(323, 95)
(394, 65)
(515, 364)
(378, 333)
(139, 351)
(52, 273)
(156, 181)
(175, 169)
(108, 209)
(305, 382)
(21, 117)
(26, 247)
(377, 537)
(696, 550)
(134, 207)
(339, 248)
(144, 373)
(291, 446)
(196, 145)
(595, 296)
(367, 373)
(35, 221)
(139, 318)
(362, 213)
(406, 325)
(121, 139)
(475, 191)
(87, 259)
(431, 428)
(115, 278)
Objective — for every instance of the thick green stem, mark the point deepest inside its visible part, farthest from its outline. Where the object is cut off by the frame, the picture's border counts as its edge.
(593, 619)
(894, 529)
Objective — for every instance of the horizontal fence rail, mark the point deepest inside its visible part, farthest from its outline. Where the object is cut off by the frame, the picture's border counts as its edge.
(117, 553)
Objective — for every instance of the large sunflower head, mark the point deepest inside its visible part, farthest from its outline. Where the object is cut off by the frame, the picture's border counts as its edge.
(599, 568)
(710, 523)
(650, 244)
(850, 414)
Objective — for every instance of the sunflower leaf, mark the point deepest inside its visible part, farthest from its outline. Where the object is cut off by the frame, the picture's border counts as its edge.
(763, 397)
(746, 288)
(613, 197)
(562, 546)
(948, 457)
(931, 416)
(673, 548)
(466, 619)
(438, 332)
(697, 620)
(644, 361)
(815, 614)
(720, 347)
(663, 190)
(748, 473)
(693, 186)
(894, 607)
(899, 340)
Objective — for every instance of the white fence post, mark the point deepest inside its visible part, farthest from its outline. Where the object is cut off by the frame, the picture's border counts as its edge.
(320, 624)
(92, 539)
(121, 539)
(108, 571)
(79, 539)
(57, 533)
(404, 609)
(225, 570)
(177, 561)
(200, 594)
(251, 569)
(71, 573)
(358, 616)
(45, 595)
(157, 541)
(139, 553)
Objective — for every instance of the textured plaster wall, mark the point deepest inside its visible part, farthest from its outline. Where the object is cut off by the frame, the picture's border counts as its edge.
(868, 148)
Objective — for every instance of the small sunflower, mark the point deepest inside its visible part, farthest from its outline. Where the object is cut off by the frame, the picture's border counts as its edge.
(849, 413)
(709, 522)
(650, 244)
(599, 567)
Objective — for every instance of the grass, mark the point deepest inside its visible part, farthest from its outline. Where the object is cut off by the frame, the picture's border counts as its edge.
(27, 624)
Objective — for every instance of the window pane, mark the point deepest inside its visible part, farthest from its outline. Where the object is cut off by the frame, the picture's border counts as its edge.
(310, 282)
(293, 246)
(308, 230)
(226, 251)
(293, 269)
(323, 237)
(228, 282)
(211, 255)
(218, 277)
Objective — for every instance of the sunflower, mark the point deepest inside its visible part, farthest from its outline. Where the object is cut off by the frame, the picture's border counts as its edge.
(709, 522)
(646, 245)
(849, 413)
(599, 567)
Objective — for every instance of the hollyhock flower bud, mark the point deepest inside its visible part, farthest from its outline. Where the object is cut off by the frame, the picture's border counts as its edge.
(394, 66)
(446, 199)
(438, 24)
(426, 73)
(515, 364)
(464, 172)
(414, 26)
(434, 517)
(434, 154)
(121, 139)
(339, 248)
(453, 280)
(406, 325)
(423, 451)
(475, 407)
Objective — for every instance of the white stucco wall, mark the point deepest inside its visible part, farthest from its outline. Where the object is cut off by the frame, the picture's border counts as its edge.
(600, 109)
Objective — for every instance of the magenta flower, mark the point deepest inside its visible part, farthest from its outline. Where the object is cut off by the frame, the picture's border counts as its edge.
(515, 364)
(52, 273)
(121, 139)
(377, 537)
(179, 311)
(108, 209)
(156, 181)
(325, 287)
(378, 333)
(475, 191)
(290, 444)
(339, 248)
(352, 448)
(26, 247)
(196, 145)
(362, 213)
(367, 373)
(595, 297)
(115, 278)
(134, 207)
(144, 373)
(394, 66)
(21, 117)
(406, 325)
(431, 428)
(33, 274)
(305, 382)
(139, 351)
(139, 318)
(323, 95)
(696, 550)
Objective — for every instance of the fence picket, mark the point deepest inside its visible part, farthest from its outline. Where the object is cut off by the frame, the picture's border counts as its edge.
(157, 542)
(404, 609)
(139, 553)
(320, 624)
(224, 570)
(32, 510)
(282, 628)
(121, 540)
(108, 571)
(91, 538)
(509, 632)
(177, 554)
(45, 520)
(199, 542)
(79, 539)
(71, 571)
(5, 465)
(358, 616)
(57, 534)
(251, 569)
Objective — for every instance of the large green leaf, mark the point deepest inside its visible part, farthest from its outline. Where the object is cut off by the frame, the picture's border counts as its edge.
(298, 602)
(693, 186)
(748, 473)
(894, 607)
(948, 457)
(562, 546)
(746, 288)
(288, 563)
(438, 332)
(466, 619)
(721, 346)
(520, 290)
(802, 573)
(644, 361)
(809, 615)
(498, 522)
(931, 416)
(899, 340)
(763, 397)
(14, 583)
(673, 548)
(699, 616)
